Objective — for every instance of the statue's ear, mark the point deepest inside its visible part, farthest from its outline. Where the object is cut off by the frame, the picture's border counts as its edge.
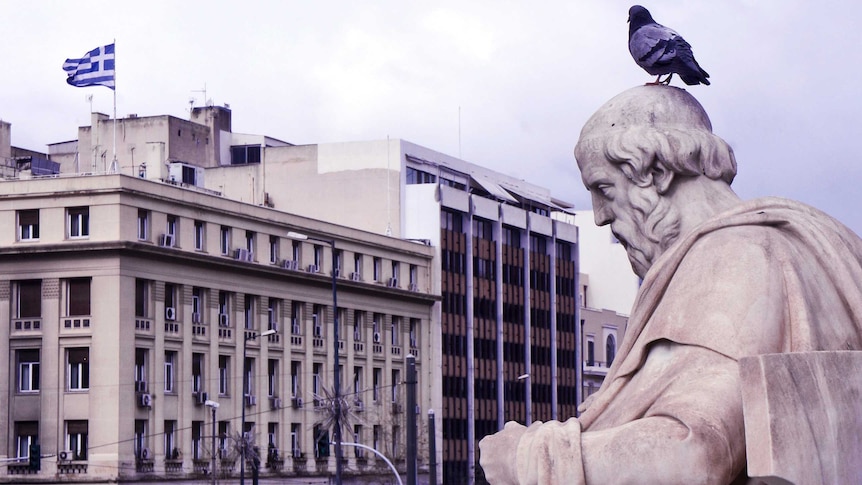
(661, 177)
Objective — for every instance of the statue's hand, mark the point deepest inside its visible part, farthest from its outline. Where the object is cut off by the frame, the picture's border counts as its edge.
(499, 453)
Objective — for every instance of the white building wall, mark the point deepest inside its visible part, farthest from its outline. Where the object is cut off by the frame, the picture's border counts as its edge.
(612, 283)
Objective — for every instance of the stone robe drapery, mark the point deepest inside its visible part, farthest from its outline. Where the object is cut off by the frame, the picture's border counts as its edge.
(769, 276)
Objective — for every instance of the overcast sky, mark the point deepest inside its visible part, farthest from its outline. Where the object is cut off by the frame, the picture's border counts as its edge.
(524, 77)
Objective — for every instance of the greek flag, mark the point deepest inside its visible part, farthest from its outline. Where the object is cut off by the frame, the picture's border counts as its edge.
(96, 68)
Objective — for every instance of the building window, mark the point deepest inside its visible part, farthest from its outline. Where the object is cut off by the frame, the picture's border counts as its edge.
(273, 249)
(199, 235)
(78, 368)
(197, 440)
(413, 275)
(28, 225)
(224, 240)
(357, 438)
(375, 439)
(376, 267)
(141, 370)
(140, 442)
(357, 381)
(317, 370)
(28, 370)
(197, 305)
(223, 309)
(223, 436)
(79, 222)
(27, 298)
(396, 270)
(26, 434)
(272, 378)
(223, 375)
(395, 328)
(170, 371)
(376, 375)
(358, 317)
(414, 176)
(295, 430)
(295, 371)
(197, 373)
(357, 263)
(318, 256)
(76, 438)
(248, 313)
(142, 291)
(245, 154)
(78, 297)
(296, 250)
(248, 377)
(610, 349)
(295, 318)
(336, 264)
(171, 450)
(414, 333)
(250, 238)
(143, 224)
(272, 439)
(172, 231)
(317, 320)
(272, 314)
(171, 301)
(396, 381)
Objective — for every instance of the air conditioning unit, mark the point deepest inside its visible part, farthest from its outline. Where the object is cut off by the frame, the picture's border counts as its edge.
(289, 264)
(294, 328)
(357, 335)
(356, 276)
(359, 405)
(313, 268)
(166, 240)
(251, 400)
(243, 255)
(413, 287)
(296, 402)
(65, 455)
(297, 453)
(202, 398)
(146, 400)
(318, 330)
(275, 403)
(170, 313)
(223, 320)
(146, 454)
(396, 408)
(337, 272)
(196, 317)
(393, 282)
(376, 337)
(140, 386)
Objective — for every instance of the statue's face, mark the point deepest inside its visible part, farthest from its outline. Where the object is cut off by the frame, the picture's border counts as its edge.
(626, 207)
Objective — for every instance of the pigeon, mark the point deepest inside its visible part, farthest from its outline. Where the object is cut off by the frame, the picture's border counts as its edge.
(660, 50)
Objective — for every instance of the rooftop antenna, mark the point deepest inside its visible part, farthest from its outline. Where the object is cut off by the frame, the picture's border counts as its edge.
(204, 91)
(90, 100)
(191, 106)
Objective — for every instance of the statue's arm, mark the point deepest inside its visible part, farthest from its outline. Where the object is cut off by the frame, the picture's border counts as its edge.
(692, 432)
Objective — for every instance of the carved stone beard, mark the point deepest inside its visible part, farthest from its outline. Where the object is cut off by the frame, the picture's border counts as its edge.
(653, 226)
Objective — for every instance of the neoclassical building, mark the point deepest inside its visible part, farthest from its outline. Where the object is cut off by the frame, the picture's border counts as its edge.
(127, 305)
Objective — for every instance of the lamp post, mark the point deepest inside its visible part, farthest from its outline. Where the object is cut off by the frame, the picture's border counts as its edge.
(214, 405)
(336, 373)
(248, 336)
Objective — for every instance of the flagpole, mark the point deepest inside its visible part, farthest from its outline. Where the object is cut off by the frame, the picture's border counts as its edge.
(114, 166)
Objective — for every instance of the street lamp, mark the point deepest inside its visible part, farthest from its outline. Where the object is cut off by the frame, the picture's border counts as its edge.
(336, 373)
(248, 336)
(214, 405)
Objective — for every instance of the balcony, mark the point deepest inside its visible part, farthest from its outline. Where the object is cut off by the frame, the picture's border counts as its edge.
(26, 325)
(596, 368)
(173, 329)
(143, 325)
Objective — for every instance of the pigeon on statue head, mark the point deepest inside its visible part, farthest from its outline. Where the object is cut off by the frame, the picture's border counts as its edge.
(660, 50)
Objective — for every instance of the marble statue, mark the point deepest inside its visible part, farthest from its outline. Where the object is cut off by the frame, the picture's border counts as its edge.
(723, 280)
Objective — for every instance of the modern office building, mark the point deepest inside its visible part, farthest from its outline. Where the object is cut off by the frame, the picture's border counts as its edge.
(129, 306)
(505, 266)
(503, 341)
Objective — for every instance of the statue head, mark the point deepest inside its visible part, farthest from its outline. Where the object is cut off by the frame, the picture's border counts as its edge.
(633, 152)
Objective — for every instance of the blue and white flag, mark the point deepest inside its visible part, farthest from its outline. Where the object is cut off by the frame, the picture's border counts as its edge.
(96, 68)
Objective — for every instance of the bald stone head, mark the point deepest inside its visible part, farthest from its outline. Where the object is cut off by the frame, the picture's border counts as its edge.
(647, 157)
(656, 124)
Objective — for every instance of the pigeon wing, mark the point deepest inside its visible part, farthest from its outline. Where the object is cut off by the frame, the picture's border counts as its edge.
(654, 48)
